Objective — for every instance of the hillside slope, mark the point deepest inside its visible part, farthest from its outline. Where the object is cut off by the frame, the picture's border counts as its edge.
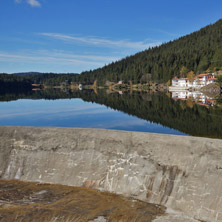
(197, 51)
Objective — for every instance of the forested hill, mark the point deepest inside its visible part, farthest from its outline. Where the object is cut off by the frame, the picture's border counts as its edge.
(39, 73)
(198, 52)
(27, 73)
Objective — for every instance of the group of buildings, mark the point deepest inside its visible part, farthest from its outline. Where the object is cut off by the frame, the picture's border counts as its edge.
(197, 82)
(180, 89)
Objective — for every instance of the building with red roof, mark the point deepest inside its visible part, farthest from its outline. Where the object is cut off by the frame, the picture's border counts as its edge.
(197, 82)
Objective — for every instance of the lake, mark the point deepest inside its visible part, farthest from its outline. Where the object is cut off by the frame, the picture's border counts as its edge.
(135, 111)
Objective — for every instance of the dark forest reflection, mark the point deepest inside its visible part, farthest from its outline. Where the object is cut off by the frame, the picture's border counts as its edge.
(183, 115)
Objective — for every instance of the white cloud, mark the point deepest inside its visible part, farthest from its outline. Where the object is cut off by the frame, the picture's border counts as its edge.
(102, 42)
(62, 54)
(33, 3)
(54, 57)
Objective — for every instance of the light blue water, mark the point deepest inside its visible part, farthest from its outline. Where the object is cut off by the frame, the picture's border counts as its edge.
(73, 113)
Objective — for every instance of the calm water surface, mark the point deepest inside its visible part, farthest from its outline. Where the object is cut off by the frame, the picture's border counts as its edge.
(74, 113)
(181, 114)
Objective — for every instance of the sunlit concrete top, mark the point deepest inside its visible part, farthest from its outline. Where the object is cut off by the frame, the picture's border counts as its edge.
(180, 172)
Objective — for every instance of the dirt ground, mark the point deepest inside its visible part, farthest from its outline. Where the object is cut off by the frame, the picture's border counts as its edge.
(26, 201)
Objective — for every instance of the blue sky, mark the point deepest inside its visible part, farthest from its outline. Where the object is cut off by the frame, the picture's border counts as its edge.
(78, 35)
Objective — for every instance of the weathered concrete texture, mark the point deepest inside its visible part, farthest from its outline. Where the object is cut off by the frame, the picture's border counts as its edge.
(182, 173)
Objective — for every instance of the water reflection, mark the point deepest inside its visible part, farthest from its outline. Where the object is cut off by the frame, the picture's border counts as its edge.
(195, 96)
(73, 113)
(178, 113)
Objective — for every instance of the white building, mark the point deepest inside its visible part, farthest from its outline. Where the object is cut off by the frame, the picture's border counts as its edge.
(182, 82)
(197, 82)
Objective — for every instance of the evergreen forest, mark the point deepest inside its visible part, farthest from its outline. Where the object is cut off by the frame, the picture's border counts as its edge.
(198, 51)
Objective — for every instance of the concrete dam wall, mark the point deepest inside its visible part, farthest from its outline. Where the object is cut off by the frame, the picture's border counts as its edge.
(182, 173)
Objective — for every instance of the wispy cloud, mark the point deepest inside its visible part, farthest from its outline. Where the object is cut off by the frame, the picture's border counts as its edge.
(33, 3)
(102, 42)
(54, 57)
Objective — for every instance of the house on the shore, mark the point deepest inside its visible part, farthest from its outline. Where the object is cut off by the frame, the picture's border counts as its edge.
(197, 82)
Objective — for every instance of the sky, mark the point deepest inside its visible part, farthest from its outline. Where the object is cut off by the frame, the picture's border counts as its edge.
(71, 36)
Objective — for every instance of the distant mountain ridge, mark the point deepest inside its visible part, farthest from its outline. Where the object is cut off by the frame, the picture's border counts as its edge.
(38, 73)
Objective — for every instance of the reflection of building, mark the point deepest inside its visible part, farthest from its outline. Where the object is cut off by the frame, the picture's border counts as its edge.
(195, 96)
(197, 82)
(80, 86)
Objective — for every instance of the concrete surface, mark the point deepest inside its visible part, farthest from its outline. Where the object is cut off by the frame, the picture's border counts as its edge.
(182, 173)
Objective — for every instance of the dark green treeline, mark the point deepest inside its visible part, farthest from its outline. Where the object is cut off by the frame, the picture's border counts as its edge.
(48, 79)
(14, 83)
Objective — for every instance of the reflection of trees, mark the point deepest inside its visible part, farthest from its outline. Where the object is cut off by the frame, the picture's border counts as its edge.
(190, 103)
(159, 108)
